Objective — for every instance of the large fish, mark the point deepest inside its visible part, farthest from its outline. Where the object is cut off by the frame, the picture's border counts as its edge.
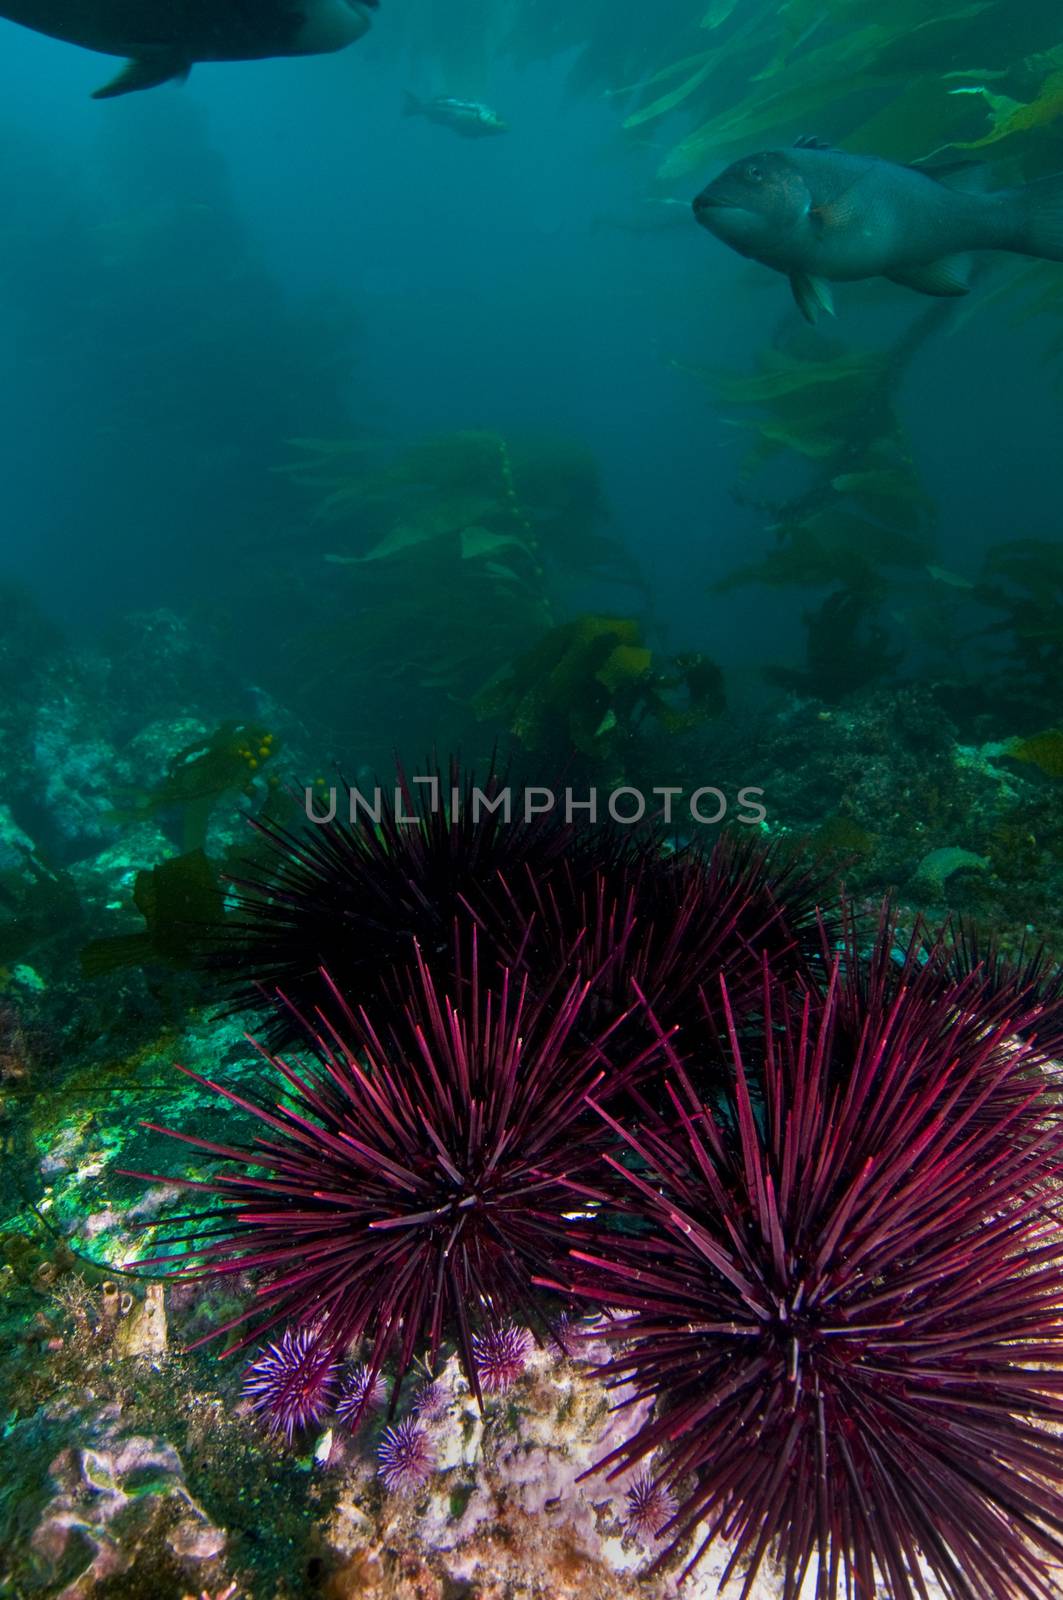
(164, 39)
(822, 216)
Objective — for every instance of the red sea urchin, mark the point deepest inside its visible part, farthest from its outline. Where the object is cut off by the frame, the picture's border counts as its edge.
(354, 897)
(667, 921)
(593, 901)
(410, 1186)
(1029, 981)
(292, 1382)
(844, 1291)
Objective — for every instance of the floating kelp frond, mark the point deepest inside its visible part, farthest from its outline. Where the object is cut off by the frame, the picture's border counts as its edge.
(847, 647)
(810, 404)
(801, 83)
(830, 546)
(1010, 117)
(1022, 580)
(591, 682)
(864, 507)
(1041, 750)
(226, 760)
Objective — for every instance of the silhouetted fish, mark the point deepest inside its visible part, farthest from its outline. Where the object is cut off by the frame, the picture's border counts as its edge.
(165, 38)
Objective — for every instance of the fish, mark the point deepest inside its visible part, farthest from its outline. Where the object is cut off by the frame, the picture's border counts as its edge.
(823, 216)
(468, 117)
(163, 41)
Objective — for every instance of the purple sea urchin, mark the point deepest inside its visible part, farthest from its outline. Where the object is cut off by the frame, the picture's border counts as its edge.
(845, 1295)
(431, 1399)
(292, 1382)
(501, 1354)
(412, 1185)
(650, 1507)
(407, 1459)
(361, 1391)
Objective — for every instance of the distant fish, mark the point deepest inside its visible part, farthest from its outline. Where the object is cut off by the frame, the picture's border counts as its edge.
(822, 216)
(165, 38)
(952, 579)
(467, 117)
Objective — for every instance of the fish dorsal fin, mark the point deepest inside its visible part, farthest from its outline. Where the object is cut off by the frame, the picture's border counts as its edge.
(145, 72)
(813, 296)
(972, 176)
(809, 141)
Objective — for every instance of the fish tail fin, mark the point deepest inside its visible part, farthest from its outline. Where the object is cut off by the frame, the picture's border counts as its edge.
(1041, 230)
(144, 72)
(411, 104)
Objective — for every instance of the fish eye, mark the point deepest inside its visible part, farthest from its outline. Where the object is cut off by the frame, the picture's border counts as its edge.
(754, 173)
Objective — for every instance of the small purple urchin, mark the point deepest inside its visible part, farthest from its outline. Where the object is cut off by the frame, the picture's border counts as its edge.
(406, 1457)
(431, 1399)
(842, 1286)
(651, 1505)
(361, 1391)
(292, 1382)
(501, 1354)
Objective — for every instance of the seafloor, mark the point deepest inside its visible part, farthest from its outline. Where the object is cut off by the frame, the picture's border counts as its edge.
(130, 1465)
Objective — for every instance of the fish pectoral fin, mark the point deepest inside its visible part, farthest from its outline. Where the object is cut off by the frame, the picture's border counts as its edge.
(945, 278)
(145, 72)
(813, 296)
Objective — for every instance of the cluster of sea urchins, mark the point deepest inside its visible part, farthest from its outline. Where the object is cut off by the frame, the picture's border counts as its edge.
(812, 1176)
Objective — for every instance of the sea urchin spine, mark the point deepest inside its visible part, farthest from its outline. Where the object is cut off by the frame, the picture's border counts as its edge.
(844, 1293)
(412, 1182)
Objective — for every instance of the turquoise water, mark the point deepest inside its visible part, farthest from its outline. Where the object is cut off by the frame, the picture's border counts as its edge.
(333, 434)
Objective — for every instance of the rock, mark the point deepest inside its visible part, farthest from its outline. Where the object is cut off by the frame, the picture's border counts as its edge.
(142, 1331)
(119, 1498)
(936, 868)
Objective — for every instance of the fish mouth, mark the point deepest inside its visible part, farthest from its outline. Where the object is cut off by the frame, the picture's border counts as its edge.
(708, 201)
